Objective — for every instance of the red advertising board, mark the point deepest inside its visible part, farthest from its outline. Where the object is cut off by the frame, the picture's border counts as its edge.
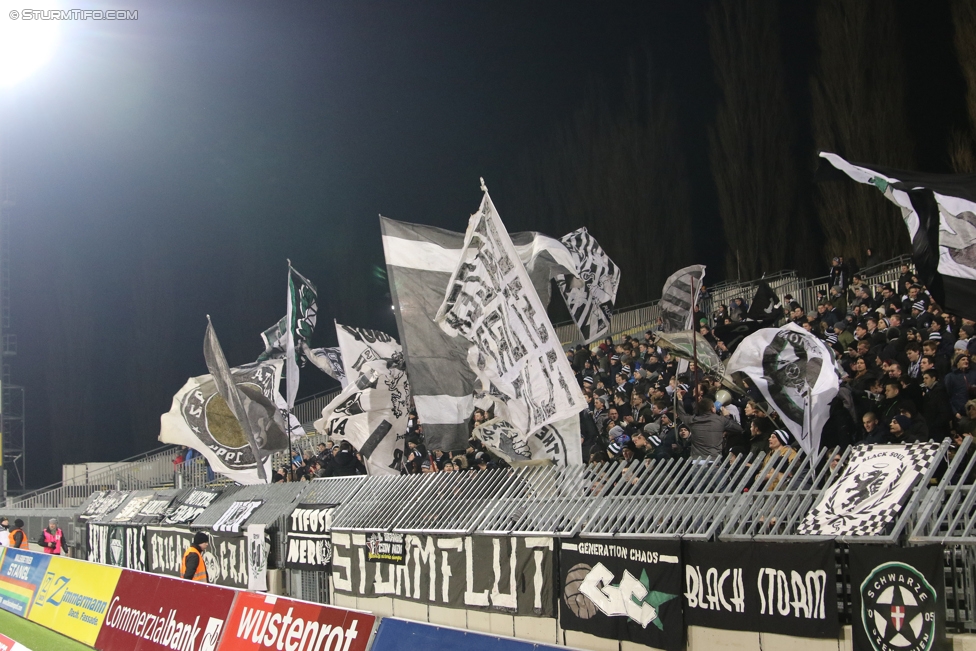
(261, 621)
(152, 613)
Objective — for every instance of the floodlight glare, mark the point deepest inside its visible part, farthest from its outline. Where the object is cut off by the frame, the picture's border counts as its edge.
(25, 44)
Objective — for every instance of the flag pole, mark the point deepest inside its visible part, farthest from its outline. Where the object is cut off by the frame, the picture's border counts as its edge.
(694, 337)
(288, 406)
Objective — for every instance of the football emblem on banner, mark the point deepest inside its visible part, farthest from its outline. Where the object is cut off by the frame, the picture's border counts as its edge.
(791, 366)
(898, 608)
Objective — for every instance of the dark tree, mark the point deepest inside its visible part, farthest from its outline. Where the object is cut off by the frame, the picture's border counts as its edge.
(616, 167)
(858, 92)
(752, 139)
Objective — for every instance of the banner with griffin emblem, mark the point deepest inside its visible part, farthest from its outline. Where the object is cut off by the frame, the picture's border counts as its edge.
(558, 443)
(868, 496)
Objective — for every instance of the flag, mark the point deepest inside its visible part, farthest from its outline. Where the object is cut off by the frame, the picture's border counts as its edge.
(677, 303)
(213, 354)
(794, 372)
(372, 410)
(766, 305)
(589, 294)
(301, 315)
(732, 334)
(327, 360)
(513, 349)
(940, 213)
(557, 444)
(682, 345)
(419, 261)
(201, 419)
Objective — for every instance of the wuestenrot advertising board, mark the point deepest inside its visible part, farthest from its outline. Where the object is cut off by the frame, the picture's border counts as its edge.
(126, 610)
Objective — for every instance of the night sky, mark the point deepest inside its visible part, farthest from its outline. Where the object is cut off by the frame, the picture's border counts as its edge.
(164, 169)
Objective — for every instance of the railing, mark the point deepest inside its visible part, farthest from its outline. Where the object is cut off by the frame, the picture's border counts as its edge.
(310, 409)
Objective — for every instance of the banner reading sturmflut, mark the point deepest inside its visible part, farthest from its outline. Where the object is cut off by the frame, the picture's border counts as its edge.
(514, 349)
(794, 372)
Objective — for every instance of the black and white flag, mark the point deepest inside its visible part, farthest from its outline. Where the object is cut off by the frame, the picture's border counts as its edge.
(766, 305)
(558, 443)
(589, 294)
(678, 300)
(940, 213)
(513, 349)
(420, 261)
(327, 360)
(794, 372)
(372, 411)
(200, 418)
(868, 496)
(236, 515)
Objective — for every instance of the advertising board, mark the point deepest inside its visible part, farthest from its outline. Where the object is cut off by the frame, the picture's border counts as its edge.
(74, 597)
(21, 573)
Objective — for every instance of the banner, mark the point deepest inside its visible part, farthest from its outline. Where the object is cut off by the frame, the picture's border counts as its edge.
(372, 411)
(677, 303)
(153, 613)
(514, 350)
(7, 644)
(132, 508)
(385, 547)
(266, 621)
(257, 557)
(200, 418)
(327, 360)
(120, 546)
(309, 546)
(783, 588)
(74, 598)
(898, 598)
(868, 496)
(794, 372)
(623, 590)
(186, 508)
(514, 575)
(21, 574)
(591, 293)
(152, 511)
(226, 556)
(558, 443)
(236, 515)
(102, 503)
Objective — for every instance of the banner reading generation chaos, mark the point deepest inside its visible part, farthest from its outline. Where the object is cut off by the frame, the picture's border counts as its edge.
(623, 590)
(790, 589)
(505, 574)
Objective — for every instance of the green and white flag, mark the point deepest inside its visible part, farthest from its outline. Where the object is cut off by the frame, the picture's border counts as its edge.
(301, 315)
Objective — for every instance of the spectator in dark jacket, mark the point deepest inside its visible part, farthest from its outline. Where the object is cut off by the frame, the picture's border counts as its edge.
(346, 462)
(708, 428)
(959, 382)
(935, 405)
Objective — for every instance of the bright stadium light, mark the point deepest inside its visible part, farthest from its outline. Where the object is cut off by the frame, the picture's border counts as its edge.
(26, 42)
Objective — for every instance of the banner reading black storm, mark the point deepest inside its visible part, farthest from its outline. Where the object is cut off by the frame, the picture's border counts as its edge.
(623, 590)
(898, 598)
(514, 575)
(790, 589)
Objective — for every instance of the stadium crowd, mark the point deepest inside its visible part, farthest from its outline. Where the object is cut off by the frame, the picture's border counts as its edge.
(907, 376)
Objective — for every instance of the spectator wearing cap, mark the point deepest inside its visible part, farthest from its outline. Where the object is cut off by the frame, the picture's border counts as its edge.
(781, 454)
(965, 341)
(900, 430)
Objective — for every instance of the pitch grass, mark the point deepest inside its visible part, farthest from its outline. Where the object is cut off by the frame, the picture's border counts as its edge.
(34, 636)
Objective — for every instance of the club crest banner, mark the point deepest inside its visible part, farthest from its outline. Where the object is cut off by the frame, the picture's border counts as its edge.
(200, 418)
(623, 590)
(869, 494)
(515, 352)
(591, 293)
(120, 546)
(898, 598)
(794, 372)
